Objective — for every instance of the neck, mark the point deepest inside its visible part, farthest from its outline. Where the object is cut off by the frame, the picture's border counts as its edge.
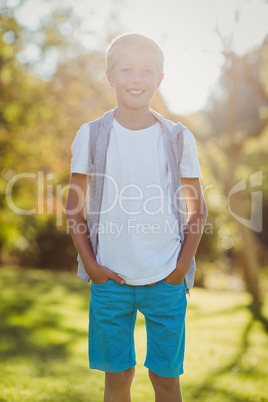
(135, 119)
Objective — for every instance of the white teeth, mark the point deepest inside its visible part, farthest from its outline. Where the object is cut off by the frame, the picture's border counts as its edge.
(136, 92)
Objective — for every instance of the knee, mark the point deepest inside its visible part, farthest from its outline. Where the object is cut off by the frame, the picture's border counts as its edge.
(169, 385)
(119, 380)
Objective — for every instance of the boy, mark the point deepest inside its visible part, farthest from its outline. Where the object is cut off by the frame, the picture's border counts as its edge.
(135, 244)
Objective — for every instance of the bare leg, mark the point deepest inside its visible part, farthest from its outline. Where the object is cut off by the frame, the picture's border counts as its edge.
(117, 386)
(166, 389)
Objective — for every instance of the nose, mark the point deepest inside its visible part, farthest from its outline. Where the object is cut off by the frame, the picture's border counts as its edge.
(136, 77)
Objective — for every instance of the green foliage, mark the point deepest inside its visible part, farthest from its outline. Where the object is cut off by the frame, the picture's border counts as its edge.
(44, 245)
(43, 344)
(232, 144)
(39, 119)
(38, 122)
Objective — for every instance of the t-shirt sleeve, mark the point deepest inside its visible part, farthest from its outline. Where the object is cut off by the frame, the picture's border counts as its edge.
(81, 162)
(189, 166)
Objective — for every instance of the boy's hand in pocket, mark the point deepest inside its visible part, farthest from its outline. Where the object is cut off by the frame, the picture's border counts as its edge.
(103, 274)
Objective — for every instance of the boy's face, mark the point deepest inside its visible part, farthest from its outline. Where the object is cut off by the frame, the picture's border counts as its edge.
(135, 78)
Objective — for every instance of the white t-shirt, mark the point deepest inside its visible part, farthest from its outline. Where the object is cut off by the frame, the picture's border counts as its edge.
(138, 235)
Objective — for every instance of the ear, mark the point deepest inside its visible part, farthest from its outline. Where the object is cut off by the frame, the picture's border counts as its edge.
(109, 78)
(160, 80)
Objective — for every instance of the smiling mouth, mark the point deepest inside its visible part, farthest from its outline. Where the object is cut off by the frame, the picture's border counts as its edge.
(135, 92)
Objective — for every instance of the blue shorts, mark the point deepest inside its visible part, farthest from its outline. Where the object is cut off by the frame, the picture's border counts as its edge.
(112, 316)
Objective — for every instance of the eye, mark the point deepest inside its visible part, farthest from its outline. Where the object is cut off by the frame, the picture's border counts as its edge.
(147, 71)
(126, 70)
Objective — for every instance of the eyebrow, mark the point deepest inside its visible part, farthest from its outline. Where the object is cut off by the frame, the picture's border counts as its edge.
(130, 64)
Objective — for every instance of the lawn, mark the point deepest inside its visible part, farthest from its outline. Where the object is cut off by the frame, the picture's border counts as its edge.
(43, 343)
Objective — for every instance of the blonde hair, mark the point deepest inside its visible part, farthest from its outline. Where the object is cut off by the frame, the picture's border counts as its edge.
(137, 40)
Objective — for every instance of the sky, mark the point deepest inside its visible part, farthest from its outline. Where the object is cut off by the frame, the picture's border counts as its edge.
(185, 30)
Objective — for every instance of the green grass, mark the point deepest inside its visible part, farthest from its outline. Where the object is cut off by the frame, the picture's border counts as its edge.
(43, 343)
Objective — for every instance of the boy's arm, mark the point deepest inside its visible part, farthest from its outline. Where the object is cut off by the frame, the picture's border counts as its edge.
(197, 214)
(78, 229)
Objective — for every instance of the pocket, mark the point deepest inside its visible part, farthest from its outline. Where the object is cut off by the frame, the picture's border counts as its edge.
(173, 285)
(100, 284)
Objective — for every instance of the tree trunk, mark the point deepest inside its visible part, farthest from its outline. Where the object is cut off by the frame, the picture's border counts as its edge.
(251, 262)
(249, 252)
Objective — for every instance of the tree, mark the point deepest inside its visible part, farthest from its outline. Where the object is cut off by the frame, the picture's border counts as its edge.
(235, 123)
(38, 122)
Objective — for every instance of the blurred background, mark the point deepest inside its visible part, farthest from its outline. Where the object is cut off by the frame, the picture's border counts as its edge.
(52, 80)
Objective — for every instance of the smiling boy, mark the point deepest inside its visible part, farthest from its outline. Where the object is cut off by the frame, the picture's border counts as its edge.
(136, 170)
